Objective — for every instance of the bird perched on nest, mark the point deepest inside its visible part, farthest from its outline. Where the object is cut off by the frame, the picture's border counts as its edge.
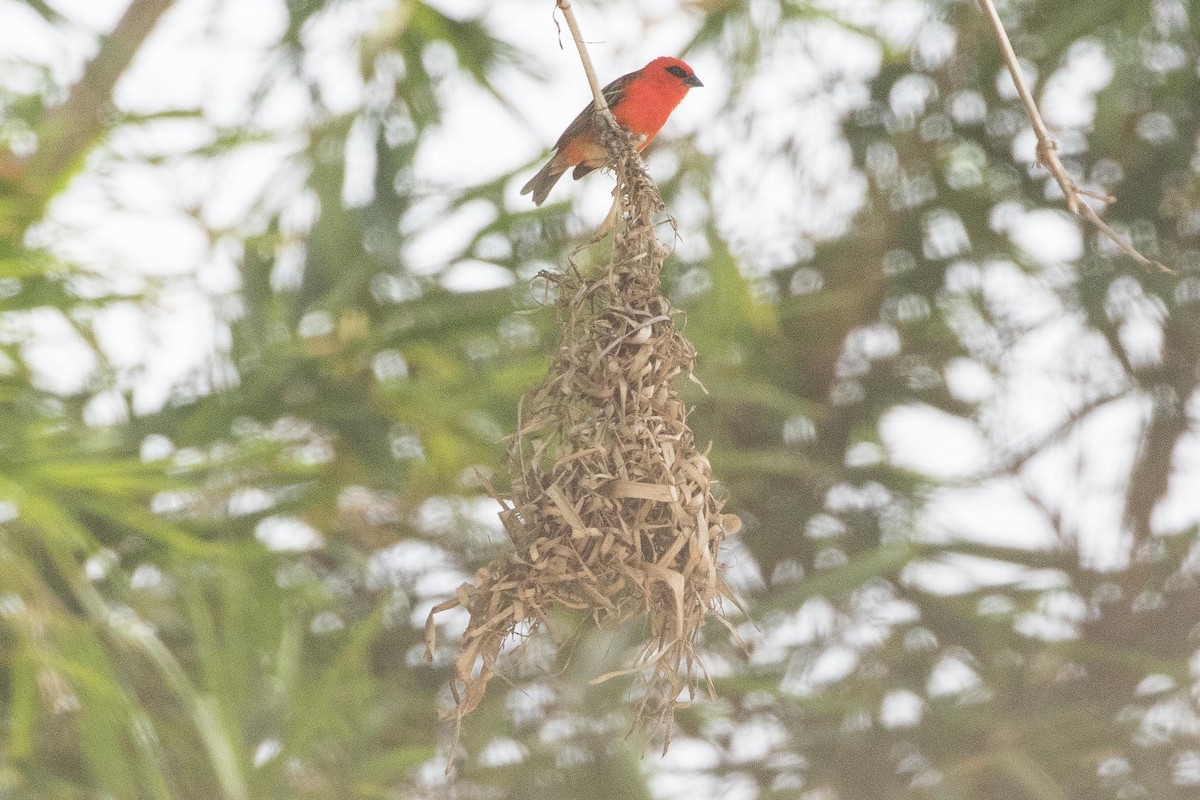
(640, 101)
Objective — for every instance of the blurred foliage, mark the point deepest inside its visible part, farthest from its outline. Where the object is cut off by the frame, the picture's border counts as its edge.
(153, 644)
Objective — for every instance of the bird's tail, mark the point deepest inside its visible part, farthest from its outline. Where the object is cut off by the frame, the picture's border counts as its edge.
(544, 181)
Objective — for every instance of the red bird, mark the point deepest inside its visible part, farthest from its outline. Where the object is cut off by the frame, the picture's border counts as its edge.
(641, 101)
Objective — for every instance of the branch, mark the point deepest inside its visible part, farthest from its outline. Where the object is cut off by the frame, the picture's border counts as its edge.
(602, 110)
(71, 129)
(597, 92)
(1047, 148)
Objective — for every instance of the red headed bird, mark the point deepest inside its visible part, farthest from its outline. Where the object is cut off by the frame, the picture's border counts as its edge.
(641, 101)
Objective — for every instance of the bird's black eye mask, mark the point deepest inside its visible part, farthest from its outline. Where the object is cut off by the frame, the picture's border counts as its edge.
(678, 72)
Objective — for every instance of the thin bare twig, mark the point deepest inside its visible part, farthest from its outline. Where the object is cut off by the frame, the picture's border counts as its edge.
(1047, 148)
(601, 108)
(597, 93)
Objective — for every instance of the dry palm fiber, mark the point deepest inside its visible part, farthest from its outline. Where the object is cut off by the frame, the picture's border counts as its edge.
(611, 511)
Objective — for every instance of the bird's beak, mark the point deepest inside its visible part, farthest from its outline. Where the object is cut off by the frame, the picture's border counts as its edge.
(692, 80)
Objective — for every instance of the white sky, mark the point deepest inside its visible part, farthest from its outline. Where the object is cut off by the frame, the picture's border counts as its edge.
(176, 224)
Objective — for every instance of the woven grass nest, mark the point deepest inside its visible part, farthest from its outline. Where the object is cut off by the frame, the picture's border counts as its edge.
(611, 511)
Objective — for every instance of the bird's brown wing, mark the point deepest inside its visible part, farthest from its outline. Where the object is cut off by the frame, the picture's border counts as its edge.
(614, 93)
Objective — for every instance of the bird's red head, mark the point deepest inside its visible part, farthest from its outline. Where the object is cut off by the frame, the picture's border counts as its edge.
(671, 72)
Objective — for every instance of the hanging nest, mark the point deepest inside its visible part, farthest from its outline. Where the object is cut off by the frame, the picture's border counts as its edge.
(612, 511)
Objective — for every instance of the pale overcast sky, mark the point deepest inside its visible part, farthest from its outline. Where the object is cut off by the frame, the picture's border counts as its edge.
(176, 224)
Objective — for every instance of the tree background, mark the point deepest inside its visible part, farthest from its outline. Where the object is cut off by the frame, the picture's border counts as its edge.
(268, 300)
